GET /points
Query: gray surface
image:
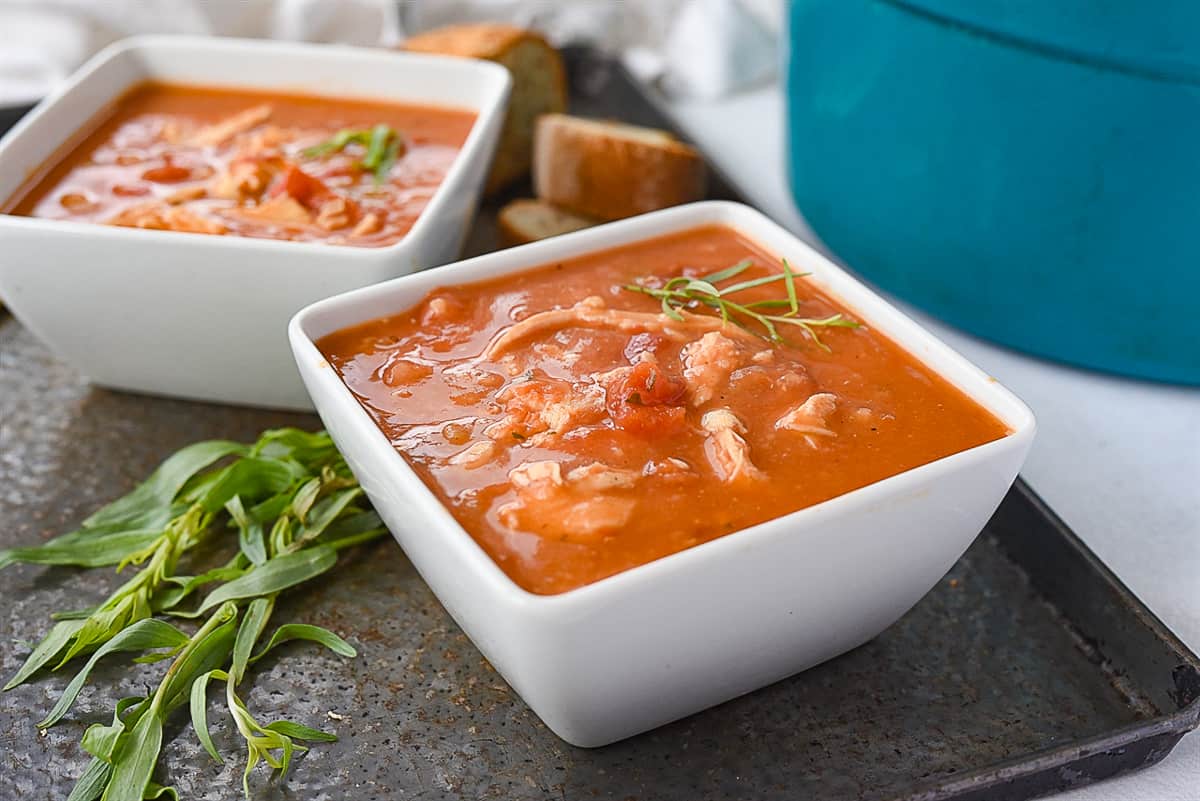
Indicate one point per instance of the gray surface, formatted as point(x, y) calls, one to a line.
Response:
point(981, 671)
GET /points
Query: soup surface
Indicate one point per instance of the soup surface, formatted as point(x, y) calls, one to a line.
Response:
point(576, 430)
point(256, 164)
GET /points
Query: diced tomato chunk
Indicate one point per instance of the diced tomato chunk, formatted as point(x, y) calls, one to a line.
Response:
point(647, 401)
point(307, 190)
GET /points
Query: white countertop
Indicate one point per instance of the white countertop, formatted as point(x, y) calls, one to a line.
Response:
point(1118, 459)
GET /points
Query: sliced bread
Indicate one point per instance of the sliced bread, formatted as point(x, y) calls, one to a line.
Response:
point(610, 170)
point(527, 220)
point(539, 84)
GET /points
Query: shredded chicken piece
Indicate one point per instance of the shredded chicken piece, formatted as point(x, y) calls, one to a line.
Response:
point(671, 467)
point(267, 140)
point(553, 351)
point(532, 474)
point(597, 477)
point(369, 224)
point(766, 356)
point(537, 405)
point(789, 382)
point(593, 518)
point(335, 213)
point(610, 377)
point(707, 363)
point(591, 312)
point(186, 194)
point(279, 209)
point(226, 129)
point(583, 521)
point(173, 131)
point(727, 451)
point(512, 365)
point(159, 217)
point(574, 509)
point(812, 416)
point(476, 455)
point(242, 181)
point(584, 406)
point(439, 310)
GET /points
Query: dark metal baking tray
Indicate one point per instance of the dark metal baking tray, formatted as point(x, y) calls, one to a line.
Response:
point(1029, 669)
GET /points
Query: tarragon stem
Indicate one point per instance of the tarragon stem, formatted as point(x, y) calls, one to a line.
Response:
point(383, 146)
point(687, 293)
point(292, 484)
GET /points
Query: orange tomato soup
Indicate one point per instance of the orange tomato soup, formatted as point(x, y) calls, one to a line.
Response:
point(267, 165)
point(575, 430)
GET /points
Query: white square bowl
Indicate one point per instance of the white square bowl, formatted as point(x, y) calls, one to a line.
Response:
point(200, 316)
point(685, 632)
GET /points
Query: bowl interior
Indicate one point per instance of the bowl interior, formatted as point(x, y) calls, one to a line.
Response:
point(324, 70)
point(394, 296)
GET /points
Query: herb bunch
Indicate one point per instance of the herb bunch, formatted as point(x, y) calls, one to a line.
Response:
point(683, 293)
point(291, 503)
point(383, 146)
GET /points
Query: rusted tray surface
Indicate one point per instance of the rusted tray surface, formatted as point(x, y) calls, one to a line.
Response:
point(1028, 669)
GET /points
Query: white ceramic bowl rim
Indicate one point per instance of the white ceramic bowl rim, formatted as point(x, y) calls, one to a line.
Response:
point(989, 393)
point(225, 45)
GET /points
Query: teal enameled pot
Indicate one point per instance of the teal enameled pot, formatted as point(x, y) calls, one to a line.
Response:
point(1028, 170)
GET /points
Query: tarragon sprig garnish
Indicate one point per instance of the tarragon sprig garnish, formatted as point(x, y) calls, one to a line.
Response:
point(383, 146)
point(683, 293)
point(291, 504)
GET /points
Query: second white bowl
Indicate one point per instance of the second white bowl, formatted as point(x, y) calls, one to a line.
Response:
point(199, 316)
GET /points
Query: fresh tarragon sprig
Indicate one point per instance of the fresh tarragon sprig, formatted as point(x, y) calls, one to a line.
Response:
point(686, 293)
point(383, 146)
point(291, 503)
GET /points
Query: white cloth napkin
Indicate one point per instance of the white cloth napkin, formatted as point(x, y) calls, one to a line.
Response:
point(703, 48)
point(43, 41)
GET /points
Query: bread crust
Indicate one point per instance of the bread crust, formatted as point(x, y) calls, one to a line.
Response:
point(539, 85)
point(482, 40)
point(518, 220)
point(613, 171)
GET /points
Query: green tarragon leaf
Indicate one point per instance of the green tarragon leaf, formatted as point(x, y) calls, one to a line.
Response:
point(101, 741)
point(141, 636)
point(163, 485)
point(305, 497)
point(304, 631)
point(252, 627)
point(104, 549)
point(91, 782)
point(308, 448)
point(298, 732)
point(276, 575)
point(55, 640)
point(210, 648)
point(252, 479)
point(199, 709)
point(157, 791)
point(134, 760)
point(167, 599)
point(251, 541)
point(324, 513)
